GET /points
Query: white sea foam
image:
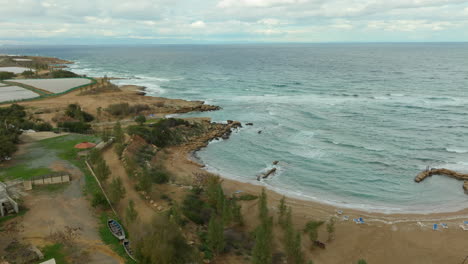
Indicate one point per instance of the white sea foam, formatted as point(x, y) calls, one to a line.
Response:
point(455, 150)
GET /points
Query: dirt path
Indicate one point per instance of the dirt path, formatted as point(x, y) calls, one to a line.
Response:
point(145, 211)
point(51, 212)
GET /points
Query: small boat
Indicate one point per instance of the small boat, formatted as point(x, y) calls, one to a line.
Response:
point(116, 229)
point(126, 245)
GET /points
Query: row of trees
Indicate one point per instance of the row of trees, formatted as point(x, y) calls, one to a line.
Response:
point(115, 190)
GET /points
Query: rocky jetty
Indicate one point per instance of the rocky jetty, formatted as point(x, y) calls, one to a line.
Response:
point(446, 172)
point(267, 174)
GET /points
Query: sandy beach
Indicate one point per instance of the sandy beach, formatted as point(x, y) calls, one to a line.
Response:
point(384, 238)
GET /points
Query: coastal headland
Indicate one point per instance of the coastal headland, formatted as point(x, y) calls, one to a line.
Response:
point(382, 238)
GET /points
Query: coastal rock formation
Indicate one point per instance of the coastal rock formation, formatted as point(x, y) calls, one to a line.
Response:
point(267, 174)
point(450, 173)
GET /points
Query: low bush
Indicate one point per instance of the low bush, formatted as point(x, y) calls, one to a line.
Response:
point(75, 127)
point(195, 209)
point(125, 109)
point(63, 74)
point(74, 111)
point(6, 75)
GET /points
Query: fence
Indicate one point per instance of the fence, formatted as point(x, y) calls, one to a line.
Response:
point(50, 179)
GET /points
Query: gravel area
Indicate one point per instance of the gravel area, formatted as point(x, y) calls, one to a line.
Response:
point(55, 85)
point(10, 93)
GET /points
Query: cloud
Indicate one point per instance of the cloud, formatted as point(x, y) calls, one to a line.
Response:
point(257, 3)
point(228, 20)
point(198, 24)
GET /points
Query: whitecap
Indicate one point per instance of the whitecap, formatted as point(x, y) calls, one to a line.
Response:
point(455, 150)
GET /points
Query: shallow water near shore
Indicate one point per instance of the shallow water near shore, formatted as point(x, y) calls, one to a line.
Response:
point(351, 124)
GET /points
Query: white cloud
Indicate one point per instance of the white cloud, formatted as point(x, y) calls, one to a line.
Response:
point(282, 20)
point(411, 25)
point(257, 3)
point(271, 22)
point(198, 24)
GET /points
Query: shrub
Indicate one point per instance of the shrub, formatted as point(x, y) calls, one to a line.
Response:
point(116, 190)
point(75, 111)
point(98, 199)
point(75, 127)
point(28, 73)
point(6, 75)
point(119, 148)
point(159, 175)
point(141, 119)
point(43, 126)
point(196, 209)
point(124, 109)
point(247, 197)
point(63, 74)
point(131, 213)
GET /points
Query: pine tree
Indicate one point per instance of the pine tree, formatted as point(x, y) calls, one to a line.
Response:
point(262, 250)
point(311, 228)
point(331, 229)
point(116, 190)
point(102, 170)
point(131, 213)
point(263, 207)
point(118, 133)
point(282, 210)
point(236, 213)
point(215, 236)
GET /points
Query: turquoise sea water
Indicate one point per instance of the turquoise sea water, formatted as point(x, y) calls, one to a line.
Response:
point(351, 124)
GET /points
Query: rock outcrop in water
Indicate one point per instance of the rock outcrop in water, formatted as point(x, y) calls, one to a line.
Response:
point(450, 173)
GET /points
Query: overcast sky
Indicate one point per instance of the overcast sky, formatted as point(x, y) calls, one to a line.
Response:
point(231, 21)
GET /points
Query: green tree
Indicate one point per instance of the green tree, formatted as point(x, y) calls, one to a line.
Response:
point(262, 250)
point(361, 261)
point(94, 156)
point(141, 119)
point(119, 148)
point(215, 236)
point(144, 181)
point(312, 228)
point(102, 170)
point(6, 75)
point(118, 133)
point(131, 213)
point(162, 243)
point(28, 74)
point(237, 213)
point(331, 228)
point(282, 210)
point(99, 199)
point(262, 206)
point(116, 190)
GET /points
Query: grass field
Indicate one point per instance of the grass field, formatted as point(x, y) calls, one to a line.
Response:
point(54, 251)
point(23, 172)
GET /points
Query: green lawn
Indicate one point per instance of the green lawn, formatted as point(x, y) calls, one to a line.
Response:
point(65, 145)
point(23, 172)
point(54, 251)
